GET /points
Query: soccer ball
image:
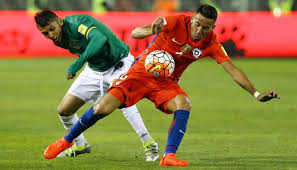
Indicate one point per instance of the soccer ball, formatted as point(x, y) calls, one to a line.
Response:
point(159, 64)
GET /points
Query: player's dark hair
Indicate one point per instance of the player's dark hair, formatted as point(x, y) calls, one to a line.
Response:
point(208, 11)
point(44, 17)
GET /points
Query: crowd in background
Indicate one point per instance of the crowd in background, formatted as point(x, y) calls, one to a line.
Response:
point(149, 5)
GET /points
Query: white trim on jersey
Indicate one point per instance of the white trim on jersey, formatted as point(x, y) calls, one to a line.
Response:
point(164, 21)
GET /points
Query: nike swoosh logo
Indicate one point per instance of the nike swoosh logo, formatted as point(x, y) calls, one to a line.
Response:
point(173, 39)
point(179, 53)
point(157, 66)
point(181, 132)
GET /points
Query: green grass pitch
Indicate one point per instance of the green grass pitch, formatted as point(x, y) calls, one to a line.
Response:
point(227, 129)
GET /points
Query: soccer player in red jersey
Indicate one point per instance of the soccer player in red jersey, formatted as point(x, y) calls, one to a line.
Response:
point(187, 39)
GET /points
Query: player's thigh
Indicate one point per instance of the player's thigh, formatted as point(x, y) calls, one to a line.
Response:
point(179, 102)
point(69, 105)
point(107, 105)
point(130, 88)
point(170, 98)
point(89, 86)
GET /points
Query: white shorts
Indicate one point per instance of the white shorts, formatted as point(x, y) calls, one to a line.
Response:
point(90, 86)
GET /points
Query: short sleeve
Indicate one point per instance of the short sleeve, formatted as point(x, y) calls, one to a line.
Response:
point(82, 24)
point(169, 22)
point(218, 53)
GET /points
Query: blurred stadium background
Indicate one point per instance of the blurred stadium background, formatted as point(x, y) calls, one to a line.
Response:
point(228, 128)
point(247, 28)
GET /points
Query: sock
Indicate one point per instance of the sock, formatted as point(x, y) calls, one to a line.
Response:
point(133, 116)
point(87, 120)
point(68, 122)
point(177, 130)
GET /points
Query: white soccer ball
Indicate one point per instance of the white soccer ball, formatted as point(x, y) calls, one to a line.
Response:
point(159, 63)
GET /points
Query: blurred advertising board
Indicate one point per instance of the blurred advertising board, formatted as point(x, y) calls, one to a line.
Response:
point(247, 34)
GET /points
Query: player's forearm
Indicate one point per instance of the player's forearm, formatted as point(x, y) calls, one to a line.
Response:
point(241, 79)
point(94, 46)
point(238, 76)
point(142, 32)
point(76, 66)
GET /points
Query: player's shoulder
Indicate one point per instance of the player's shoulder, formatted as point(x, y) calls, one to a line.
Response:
point(179, 17)
point(211, 37)
point(76, 19)
point(78, 23)
point(214, 38)
point(211, 41)
point(176, 21)
point(183, 17)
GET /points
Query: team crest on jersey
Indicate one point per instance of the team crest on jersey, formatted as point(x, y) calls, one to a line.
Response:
point(186, 48)
point(196, 52)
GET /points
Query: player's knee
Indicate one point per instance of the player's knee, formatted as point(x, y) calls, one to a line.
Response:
point(62, 111)
point(97, 110)
point(101, 109)
point(185, 106)
point(107, 105)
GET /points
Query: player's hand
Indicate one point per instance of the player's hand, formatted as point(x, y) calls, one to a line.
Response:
point(69, 76)
point(268, 96)
point(157, 25)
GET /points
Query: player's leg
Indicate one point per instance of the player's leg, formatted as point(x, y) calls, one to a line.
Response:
point(151, 148)
point(133, 116)
point(106, 106)
point(67, 113)
point(181, 107)
point(82, 90)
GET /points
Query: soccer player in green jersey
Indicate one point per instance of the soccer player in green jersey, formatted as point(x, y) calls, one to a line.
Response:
point(107, 57)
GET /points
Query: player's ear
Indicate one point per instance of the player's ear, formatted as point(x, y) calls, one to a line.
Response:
point(213, 26)
point(192, 18)
point(60, 21)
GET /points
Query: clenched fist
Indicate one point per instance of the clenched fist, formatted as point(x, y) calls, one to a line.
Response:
point(69, 76)
point(157, 25)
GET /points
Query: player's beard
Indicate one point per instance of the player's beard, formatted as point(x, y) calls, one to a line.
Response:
point(197, 38)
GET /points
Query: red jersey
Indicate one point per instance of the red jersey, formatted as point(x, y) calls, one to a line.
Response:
point(175, 38)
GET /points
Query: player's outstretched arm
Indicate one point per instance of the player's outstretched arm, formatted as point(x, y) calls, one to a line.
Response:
point(148, 30)
point(240, 78)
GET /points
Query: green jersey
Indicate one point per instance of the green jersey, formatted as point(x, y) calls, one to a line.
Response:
point(93, 42)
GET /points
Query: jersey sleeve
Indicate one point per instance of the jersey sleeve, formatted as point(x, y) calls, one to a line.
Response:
point(169, 23)
point(218, 53)
point(96, 40)
point(84, 25)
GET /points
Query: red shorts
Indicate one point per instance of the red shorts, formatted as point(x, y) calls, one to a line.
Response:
point(132, 87)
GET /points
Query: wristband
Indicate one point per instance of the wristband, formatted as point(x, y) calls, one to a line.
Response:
point(256, 94)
